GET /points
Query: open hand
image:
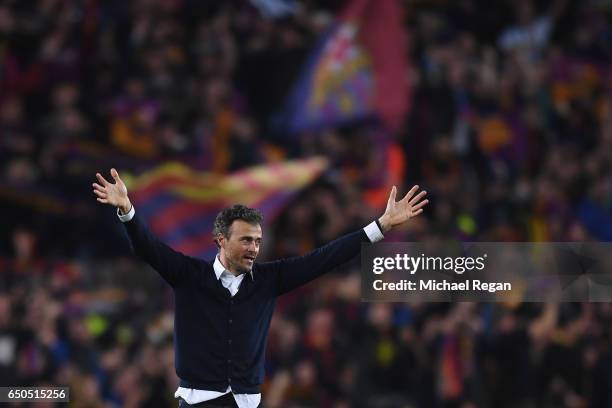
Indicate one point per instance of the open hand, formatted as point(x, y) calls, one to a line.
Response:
point(114, 194)
point(398, 212)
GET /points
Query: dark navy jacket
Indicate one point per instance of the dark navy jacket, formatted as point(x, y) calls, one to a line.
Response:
point(220, 340)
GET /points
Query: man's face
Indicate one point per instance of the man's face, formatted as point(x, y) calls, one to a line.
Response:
point(239, 250)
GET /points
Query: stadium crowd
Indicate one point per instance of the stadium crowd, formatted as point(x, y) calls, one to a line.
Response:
point(510, 132)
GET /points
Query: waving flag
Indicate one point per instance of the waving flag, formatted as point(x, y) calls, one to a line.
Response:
point(358, 70)
point(180, 204)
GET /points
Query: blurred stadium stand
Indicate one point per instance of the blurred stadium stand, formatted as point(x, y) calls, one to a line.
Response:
point(510, 131)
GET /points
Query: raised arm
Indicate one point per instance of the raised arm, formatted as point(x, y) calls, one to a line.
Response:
point(171, 265)
point(294, 272)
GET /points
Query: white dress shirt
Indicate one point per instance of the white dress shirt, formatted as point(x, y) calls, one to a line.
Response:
point(194, 396)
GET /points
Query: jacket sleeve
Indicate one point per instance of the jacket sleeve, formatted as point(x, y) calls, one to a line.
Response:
point(292, 273)
point(172, 265)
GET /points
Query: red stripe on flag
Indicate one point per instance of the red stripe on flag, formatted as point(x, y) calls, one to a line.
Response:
point(181, 212)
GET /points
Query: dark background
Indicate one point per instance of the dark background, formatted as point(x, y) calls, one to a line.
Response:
point(512, 141)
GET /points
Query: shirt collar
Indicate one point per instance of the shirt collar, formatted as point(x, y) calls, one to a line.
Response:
point(219, 269)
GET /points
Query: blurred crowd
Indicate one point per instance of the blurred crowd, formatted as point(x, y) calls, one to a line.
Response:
point(510, 132)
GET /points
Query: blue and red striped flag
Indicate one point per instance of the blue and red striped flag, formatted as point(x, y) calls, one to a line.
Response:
point(180, 204)
point(358, 70)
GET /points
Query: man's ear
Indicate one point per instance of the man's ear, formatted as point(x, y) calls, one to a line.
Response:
point(219, 240)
